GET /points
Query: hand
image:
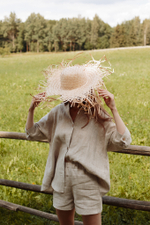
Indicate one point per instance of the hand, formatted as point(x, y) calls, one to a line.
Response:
point(108, 98)
point(36, 100)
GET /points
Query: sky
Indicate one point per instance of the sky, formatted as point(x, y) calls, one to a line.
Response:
point(112, 12)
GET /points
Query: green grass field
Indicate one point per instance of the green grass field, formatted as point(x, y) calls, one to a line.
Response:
point(25, 161)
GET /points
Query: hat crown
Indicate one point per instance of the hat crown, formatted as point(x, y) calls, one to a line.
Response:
point(73, 77)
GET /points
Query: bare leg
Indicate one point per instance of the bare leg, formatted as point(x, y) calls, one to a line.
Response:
point(65, 217)
point(92, 219)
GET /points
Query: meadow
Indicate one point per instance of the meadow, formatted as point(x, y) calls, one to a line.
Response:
point(20, 75)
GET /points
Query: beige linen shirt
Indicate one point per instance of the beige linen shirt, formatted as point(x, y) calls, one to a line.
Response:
point(87, 146)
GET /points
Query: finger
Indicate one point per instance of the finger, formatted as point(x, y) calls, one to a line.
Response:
point(104, 95)
point(34, 101)
point(36, 104)
point(104, 92)
point(106, 98)
point(41, 94)
point(37, 99)
point(100, 89)
point(108, 94)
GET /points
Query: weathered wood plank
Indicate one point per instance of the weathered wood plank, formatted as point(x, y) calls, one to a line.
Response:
point(21, 185)
point(132, 149)
point(108, 200)
point(15, 135)
point(136, 150)
point(127, 203)
point(15, 207)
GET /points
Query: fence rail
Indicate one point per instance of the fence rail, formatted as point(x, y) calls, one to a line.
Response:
point(120, 202)
point(108, 200)
point(132, 149)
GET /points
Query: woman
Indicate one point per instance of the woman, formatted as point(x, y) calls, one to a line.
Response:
point(80, 133)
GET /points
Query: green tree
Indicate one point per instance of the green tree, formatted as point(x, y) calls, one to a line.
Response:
point(131, 33)
point(29, 31)
point(1, 34)
point(81, 31)
point(72, 33)
point(138, 30)
point(69, 33)
point(49, 34)
point(148, 36)
point(95, 31)
point(88, 44)
point(35, 32)
point(145, 28)
point(10, 29)
point(104, 35)
point(63, 33)
point(122, 36)
point(39, 31)
point(56, 35)
point(114, 41)
point(20, 38)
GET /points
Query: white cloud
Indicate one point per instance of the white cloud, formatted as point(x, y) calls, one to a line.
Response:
point(110, 11)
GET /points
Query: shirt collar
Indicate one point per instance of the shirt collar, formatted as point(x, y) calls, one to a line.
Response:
point(66, 108)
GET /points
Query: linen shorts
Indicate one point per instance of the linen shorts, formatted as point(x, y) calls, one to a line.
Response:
point(81, 191)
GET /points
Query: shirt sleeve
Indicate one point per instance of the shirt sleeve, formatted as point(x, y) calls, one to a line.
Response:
point(116, 140)
point(42, 130)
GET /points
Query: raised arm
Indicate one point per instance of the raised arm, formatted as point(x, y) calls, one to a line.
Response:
point(109, 100)
point(35, 102)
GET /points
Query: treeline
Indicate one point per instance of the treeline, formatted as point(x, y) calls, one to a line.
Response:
point(37, 34)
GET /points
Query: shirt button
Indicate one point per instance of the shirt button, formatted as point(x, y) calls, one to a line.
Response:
point(124, 139)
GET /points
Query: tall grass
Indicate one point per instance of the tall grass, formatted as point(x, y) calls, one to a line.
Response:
point(25, 161)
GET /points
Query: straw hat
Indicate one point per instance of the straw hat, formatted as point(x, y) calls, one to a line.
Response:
point(75, 83)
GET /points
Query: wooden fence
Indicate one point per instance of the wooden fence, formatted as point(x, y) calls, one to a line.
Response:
point(120, 202)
